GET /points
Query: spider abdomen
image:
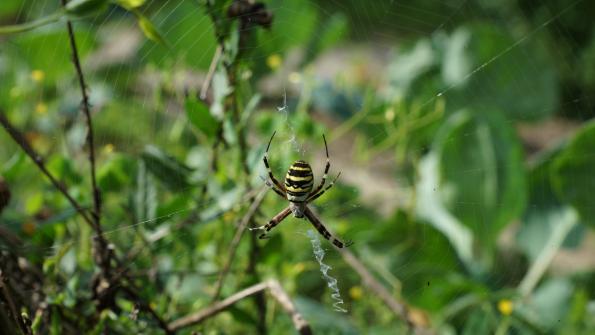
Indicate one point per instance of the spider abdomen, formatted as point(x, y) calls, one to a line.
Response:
point(299, 181)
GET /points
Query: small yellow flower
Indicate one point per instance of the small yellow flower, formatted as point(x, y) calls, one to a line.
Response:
point(274, 61)
point(505, 306)
point(108, 148)
point(299, 267)
point(389, 115)
point(295, 77)
point(37, 75)
point(356, 292)
point(41, 108)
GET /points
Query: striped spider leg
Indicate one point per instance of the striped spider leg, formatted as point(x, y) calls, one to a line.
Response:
point(279, 187)
point(315, 221)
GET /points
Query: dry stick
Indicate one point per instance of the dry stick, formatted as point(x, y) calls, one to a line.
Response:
point(399, 308)
point(20, 139)
point(276, 291)
point(236, 241)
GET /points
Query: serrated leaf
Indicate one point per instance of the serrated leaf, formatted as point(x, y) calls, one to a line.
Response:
point(199, 115)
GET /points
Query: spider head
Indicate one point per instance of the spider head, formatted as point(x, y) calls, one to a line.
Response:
point(297, 209)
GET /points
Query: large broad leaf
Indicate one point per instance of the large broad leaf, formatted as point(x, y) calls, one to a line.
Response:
point(189, 31)
point(484, 66)
point(199, 115)
point(573, 173)
point(49, 51)
point(472, 183)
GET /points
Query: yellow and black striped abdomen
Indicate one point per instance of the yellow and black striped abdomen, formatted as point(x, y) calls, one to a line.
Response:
point(299, 181)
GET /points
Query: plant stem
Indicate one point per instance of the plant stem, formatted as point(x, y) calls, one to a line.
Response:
point(19, 28)
point(558, 235)
point(90, 137)
point(236, 240)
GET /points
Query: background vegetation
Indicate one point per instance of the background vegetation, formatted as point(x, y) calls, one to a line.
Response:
point(131, 166)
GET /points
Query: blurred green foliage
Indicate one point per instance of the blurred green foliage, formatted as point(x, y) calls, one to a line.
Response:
point(473, 211)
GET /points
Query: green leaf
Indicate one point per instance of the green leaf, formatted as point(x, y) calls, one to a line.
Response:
point(49, 51)
point(546, 210)
point(199, 115)
point(81, 8)
point(573, 173)
point(550, 303)
point(166, 168)
point(485, 66)
point(149, 29)
point(472, 183)
point(192, 34)
point(114, 175)
point(333, 31)
point(63, 169)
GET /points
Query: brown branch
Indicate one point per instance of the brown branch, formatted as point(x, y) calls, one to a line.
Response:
point(236, 240)
point(399, 308)
point(20, 139)
point(90, 137)
point(283, 299)
point(274, 288)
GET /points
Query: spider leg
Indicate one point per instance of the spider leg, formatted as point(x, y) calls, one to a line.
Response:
point(266, 164)
point(323, 231)
point(327, 167)
point(315, 196)
point(269, 184)
point(274, 222)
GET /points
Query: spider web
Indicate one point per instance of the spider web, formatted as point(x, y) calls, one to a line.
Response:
point(102, 92)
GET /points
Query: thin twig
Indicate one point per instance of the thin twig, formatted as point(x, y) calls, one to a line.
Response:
point(236, 240)
point(90, 137)
point(276, 291)
point(20, 139)
point(205, 85)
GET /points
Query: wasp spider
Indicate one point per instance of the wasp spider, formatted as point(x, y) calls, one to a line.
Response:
point(298, 189)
